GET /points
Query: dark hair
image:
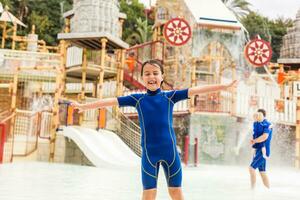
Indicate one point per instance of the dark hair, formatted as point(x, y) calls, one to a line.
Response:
point(262, 111)
point(154, 62)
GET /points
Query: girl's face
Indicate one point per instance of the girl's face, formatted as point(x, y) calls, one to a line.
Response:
point(260, 117)
point(152, 77)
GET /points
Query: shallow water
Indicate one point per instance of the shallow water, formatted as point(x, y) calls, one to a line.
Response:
point(44, 181)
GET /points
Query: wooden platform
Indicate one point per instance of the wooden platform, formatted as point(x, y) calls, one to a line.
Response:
point(92, 40)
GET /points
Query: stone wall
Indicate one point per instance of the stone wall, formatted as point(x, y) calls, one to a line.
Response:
point(291, 41)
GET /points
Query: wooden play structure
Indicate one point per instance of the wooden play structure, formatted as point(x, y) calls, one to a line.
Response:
point(9, 25)
point(88, 65)
point(197, 47)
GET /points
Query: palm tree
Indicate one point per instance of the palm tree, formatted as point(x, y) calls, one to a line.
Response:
point(143, 33)
point(240, 8)
point(23, 9)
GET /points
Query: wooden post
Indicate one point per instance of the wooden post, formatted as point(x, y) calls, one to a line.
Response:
point(118, 90)
point(193, 84)
point(83, 80)
point(121, 21)
point(122, 71)
point(158, 33)
point(118, 60)
point(154, 35)
point(83, 77)
point(4, 33)
point(120, 78)
point(14, 101)
point(33, 29)
point(65, 45)
point(58, 90)
point(210, 61)
point(297, 145)
point(14, 37)
point(219, 58)
point(102, 65)
point(233, 91)
point(64, 65)
point(67, 25)
point(15, 88)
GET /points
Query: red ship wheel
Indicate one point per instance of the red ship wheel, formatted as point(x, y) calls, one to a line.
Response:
point(177, 31)
point(258, 52)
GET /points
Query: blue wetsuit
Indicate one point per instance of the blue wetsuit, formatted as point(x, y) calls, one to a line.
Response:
point(158, 141)
point(259, 128)
point(268, 141)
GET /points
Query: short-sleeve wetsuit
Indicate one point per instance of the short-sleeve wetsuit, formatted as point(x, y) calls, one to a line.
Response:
point(259, 128)
point(158, 141)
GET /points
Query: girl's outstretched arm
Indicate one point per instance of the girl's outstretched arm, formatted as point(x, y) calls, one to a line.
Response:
point(96, 104)
point(210, 88)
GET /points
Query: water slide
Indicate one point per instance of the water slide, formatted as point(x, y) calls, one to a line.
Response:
point(103, 148)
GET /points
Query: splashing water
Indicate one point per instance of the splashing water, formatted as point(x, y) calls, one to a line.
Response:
point(243, 136)
point(42, 103)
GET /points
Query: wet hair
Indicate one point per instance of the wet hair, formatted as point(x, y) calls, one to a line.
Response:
point(154, 62)
point(262, 111)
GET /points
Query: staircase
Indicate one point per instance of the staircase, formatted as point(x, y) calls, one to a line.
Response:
point(127, 130)
point(142, 53)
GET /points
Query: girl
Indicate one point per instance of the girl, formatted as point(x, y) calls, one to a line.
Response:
point(155, 109)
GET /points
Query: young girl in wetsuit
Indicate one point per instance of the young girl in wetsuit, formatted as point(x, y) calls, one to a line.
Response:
point(158, 141)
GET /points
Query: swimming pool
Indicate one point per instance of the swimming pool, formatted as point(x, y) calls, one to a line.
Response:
point(46, 181)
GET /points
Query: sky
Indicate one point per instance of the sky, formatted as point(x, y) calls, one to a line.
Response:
point(269, 8)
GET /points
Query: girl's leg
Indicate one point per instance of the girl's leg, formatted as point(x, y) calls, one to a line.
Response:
point(176, 193)
point(149, 194)
point(265, 179)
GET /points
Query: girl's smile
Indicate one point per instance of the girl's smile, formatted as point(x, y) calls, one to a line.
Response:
point(152, 77)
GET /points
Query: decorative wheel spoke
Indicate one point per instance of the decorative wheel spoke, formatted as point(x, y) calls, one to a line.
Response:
point(177, 31)
point(258, 52)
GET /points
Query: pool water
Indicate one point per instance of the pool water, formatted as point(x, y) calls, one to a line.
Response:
point(46, 181)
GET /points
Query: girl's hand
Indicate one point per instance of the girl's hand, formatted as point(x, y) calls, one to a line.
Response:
point(232, 85)
point(78, 106)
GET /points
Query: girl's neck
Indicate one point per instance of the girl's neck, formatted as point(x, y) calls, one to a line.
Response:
point(150, 92)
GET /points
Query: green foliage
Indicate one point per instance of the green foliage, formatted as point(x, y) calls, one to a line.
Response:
point(6, 2)
point(256, 25)
point(45, 15)
point(278, 28)
point(137, 28)
point(143, 33)
point(240, 8)
point(269, 30)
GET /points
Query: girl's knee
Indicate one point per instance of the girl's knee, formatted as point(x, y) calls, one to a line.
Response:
point(149, 194)
point(175, 192)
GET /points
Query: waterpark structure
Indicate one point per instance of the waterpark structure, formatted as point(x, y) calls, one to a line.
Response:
point(198, 45)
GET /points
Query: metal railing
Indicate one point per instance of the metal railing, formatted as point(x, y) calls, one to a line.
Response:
point(129, 132)
point(139, 54)
point(125, 128)
point(26, 127)
point(220, 102)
